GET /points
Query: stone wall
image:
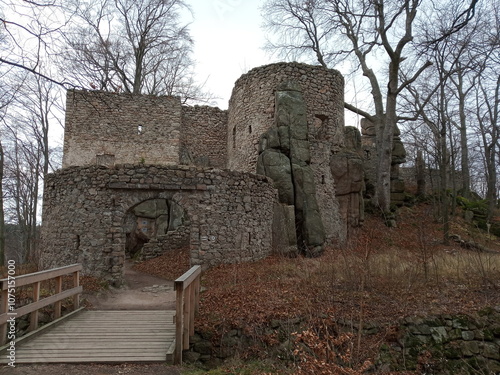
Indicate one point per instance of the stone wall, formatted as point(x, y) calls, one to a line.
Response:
point(93, 213)
point(369, 152)
point(446, 344)
point(432, 179)
point(107, 128)
point(440, 345)
point(252, 112)
point(204, 136)
point(86, 210)
point(175, 240)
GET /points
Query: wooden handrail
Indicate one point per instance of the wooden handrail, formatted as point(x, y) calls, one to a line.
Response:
point(36, 278)
point(187, 289)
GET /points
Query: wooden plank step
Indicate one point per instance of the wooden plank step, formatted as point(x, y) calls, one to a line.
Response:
point(104, 337)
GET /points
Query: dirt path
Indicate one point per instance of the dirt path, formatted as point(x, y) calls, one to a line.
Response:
point(140, 292)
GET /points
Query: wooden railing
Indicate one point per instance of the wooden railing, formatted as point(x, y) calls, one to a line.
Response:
point(187, 289)
point(35, 279)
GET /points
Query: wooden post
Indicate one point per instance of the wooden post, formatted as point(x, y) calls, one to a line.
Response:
point(192, 307)
point(58, 304)
point(187, 294)
point(179, 315)
point(186, 320)
point(197, 293)
point(34, 314)
point(76, 283)
point(3, 309)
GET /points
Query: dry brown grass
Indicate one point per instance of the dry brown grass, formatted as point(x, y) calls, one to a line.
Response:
point(382, 277)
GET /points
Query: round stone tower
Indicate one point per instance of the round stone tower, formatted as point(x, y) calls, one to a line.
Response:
point(253, 111)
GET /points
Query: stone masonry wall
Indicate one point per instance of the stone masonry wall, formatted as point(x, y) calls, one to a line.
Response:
point(446, 344)
point(252, 109)
point(252, 113)
point(107, 128)
point(204, 136)
point(230, 214)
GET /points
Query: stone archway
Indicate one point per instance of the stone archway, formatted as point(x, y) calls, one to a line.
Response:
point(155, 226)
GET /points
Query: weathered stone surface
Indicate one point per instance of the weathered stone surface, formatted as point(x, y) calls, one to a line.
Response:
point(86, 220)
point(347, 169)
point(276, 165)
point(284, 234)
point(449, 342)
point(311, 233)
point(176, 216)
point(292, 176)
point(398, 152)
point(152, 208)
point(162, 224)
point(253, 107)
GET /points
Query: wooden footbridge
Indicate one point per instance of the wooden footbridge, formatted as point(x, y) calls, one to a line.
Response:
point(91, 336)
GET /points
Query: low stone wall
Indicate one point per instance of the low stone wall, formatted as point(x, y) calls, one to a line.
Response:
point(175, 240)
point(86, 208)
point(446, 344)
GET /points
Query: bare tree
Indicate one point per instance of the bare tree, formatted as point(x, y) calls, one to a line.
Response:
point(29, 32)
point(2, 214)
point(22, 170)
point(460, 93)
point(373, 33)
point(135, 46)
point(27, 153)
point(487, 111)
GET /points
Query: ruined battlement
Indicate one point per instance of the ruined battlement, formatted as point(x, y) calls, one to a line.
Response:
point(106, 128)
point(252, 110)
point(143, 175)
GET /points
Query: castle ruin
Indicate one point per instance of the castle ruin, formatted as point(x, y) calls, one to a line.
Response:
point(144, 175)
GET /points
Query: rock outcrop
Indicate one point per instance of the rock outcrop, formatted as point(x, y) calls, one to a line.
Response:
point(348, 171)
point(285, 158)
point(368, 140)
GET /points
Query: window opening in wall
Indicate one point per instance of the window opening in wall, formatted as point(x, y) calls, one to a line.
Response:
point(234, 137)
point(323, 179)
point(140, 129)
point(249, 129)
point(77, 241)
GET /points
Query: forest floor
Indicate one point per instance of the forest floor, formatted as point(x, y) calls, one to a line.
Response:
point(383, 276)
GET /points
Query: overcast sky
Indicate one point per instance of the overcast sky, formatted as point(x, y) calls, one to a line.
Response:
point(227, 42)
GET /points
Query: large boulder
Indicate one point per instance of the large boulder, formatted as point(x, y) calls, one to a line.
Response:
point(285, 158)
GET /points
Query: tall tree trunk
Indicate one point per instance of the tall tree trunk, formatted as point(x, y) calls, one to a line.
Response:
point(420, 168)
point(463, 140)
point(444, 167)
point(385, 137)
point(383, 167)
point(491, 193)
